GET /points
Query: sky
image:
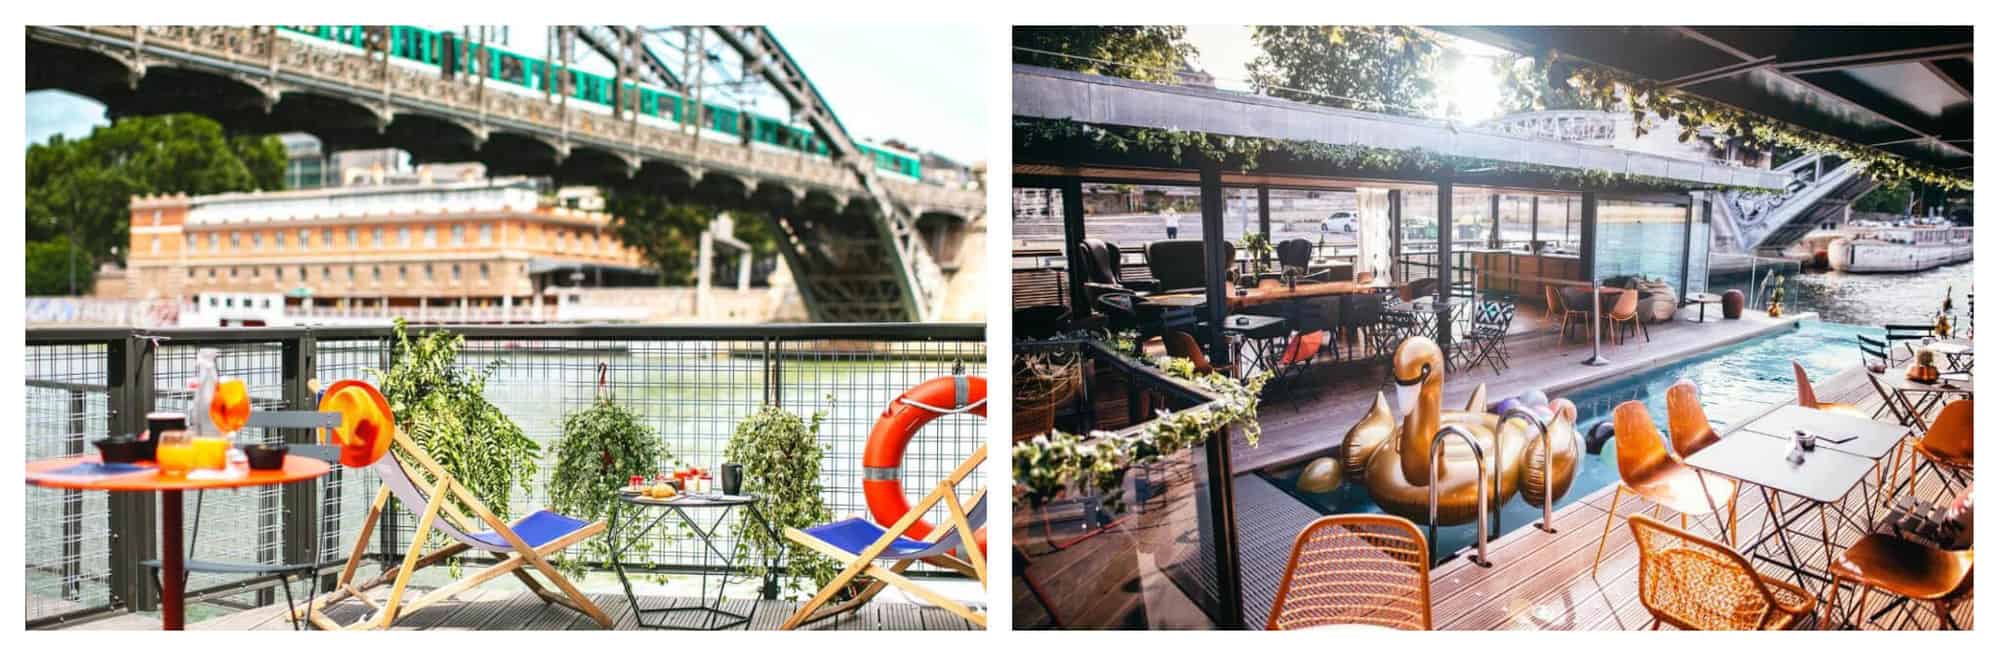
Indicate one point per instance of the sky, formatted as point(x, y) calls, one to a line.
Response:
point(915, 84)
point(1470, 87)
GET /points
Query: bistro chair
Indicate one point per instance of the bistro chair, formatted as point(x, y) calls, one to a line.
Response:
point(1809, 398)
point(1485, 342)
point(1554, 303)
point(1897, 407)
point(857, 544)
point(525, 543)
point(1696, 584)
point(1686, 421)
point(1906, 336)
point(1355, 569)
point(1291, 367)
point(1419, 288)
point(1570, 316)
point(1645, 469)
point(285, 573)
point(1103, 270)
point(1938, 574)
point(1297, 253)
point(1180, 265)
point(1873, 354)
point(1624, 317)
point(1360, 315)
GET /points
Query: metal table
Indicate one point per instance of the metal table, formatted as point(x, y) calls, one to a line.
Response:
point(1703, 299)
point(1256, 331)
point(678, 507)
point(1828, 474)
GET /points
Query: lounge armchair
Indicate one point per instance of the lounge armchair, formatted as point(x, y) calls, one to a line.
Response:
point(1179, 264)
point(443, 501)
point(1103, 270)
point(857, 543)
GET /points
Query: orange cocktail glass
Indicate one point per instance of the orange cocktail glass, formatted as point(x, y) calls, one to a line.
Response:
point(211, 452)
point(230, 409)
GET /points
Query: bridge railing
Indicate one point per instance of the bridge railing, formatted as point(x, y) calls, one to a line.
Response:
point(691, 383)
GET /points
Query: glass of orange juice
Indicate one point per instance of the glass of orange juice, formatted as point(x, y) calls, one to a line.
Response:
point(211, 452)
point(174, 453)
point(230, 409)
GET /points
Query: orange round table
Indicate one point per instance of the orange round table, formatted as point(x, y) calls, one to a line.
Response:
point(173, 583)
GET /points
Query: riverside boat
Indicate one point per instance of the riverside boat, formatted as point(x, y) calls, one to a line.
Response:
point(1899, 249)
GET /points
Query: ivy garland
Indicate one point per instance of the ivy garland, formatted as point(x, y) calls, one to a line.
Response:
point(1354, 159)
point(1612, 90)
point(1047, 465)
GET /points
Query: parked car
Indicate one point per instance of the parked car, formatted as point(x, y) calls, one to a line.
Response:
point(1341, 221)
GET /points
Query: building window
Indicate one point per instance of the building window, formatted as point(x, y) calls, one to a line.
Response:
point(402, 273)
point(485, 272)
point(278, 274)
point(214, 242)
point(232, 273)
point(485, 234)
point(326, 273)
point(403, 237)
point(304, 274)
point(188, 243)
point(454, 272)
point(211, 273)
point(350, 273)
point(304, 238)
point(376, 237)
point(155, 245)
point(156, 217)
point(256, 240)
point(326, 237)
point(458, 234)
point(279, 240)
point(430, 236)
point(190, 272)
point(428, 272)
point(352, 237)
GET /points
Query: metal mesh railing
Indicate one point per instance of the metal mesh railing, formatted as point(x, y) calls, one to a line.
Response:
point(692, 384)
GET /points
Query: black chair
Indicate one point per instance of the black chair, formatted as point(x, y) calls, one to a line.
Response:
point(285, 573)
point(1360, 315)
point(1485, 341)
point(1873, 354)
point(1390, 328)
point(1297, 254)
point(1104, 270)
point(1180, 264)
point(1905, 336)
point(1419, 288)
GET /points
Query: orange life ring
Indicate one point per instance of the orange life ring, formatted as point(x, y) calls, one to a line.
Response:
point(881, 463)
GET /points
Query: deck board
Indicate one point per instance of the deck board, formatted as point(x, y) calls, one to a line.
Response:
point(1540, 581)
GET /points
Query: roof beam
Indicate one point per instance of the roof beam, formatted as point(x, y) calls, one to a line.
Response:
point(1909, 55)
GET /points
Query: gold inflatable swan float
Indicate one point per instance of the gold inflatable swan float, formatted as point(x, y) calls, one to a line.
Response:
point(1391, 459)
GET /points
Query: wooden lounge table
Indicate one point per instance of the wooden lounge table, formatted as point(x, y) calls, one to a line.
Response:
point(1265, 295)
point(77, 473)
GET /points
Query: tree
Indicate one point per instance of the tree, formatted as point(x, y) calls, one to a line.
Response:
point(1150, 53)
point(1891, 198)
point(55, 268)
point(81, 189)
point(1531, 84)
point(1388, 69)
point(667, 233)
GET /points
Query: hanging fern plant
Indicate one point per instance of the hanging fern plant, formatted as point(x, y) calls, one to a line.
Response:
point(601, 448)
point(780, 455)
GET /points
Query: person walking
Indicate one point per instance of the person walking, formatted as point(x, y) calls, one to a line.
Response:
point(1172, 226)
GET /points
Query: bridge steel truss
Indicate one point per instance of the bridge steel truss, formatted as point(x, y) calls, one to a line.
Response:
point(848, 236)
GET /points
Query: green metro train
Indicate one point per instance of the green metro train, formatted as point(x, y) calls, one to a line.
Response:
point(419, 45)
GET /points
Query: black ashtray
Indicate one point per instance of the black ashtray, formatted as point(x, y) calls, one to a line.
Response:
point(118, 449)
point(266, 456)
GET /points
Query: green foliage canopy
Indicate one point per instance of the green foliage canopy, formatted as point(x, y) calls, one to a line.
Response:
point(1150, 53)
point(1385, 68)
point(667, 232)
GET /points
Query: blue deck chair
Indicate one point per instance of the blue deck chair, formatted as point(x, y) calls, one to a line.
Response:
point(860, 545)
point(443, 503)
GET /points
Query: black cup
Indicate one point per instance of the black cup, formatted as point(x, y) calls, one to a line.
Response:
point(732, 479)
point(118, 449)
point(266, 456)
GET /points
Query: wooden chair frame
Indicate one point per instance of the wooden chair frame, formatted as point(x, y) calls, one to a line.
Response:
point(854, 565)
point(441, 489)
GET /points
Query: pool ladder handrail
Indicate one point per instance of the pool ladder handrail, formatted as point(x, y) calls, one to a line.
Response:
point(1484, 502)
point(1547, 464)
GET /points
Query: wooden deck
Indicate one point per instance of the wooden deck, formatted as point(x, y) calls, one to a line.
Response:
point(1542, 581)
point(1343, 392)
point(513, 610)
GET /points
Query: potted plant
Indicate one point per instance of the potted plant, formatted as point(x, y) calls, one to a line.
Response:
point(443, 408)
point(780, 454)
point(1924, 368)
point(1257, 245)
point(1777, 297)
point(600, 449)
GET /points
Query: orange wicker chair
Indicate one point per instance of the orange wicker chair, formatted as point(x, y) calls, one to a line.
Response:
point(1355, 569)
point(1696, 584)
point(1809, 398)
point(1940, 575)
point(1647, 470)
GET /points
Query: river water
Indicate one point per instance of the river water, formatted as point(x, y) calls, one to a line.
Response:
point(1873, 299)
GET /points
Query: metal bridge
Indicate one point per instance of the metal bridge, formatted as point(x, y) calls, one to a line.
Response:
point(854, 230)
point(1753, 222)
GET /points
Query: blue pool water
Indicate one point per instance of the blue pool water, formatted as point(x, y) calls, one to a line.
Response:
point(1752, 374)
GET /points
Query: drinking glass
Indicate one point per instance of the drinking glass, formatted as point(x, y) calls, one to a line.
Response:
point(174, 453)
point(230, 409)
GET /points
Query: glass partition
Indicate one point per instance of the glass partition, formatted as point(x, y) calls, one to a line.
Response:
point(1701, 232)
point(1516, 222)
point(1558, 225)
point(1641, 239)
